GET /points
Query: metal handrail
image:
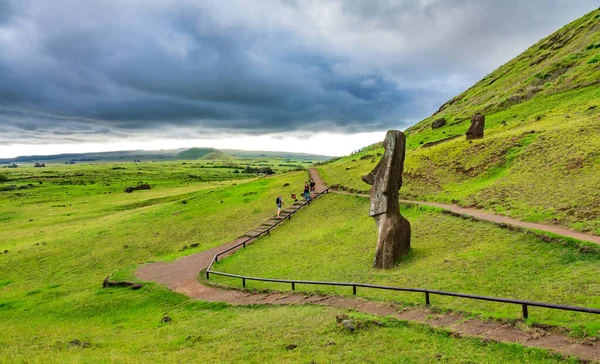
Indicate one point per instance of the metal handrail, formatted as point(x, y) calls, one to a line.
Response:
point(266, 231)
point(524, 303)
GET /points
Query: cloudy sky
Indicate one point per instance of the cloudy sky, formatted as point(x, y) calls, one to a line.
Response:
point(315, 76)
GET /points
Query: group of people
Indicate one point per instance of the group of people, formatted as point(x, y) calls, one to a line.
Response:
point(308, 194)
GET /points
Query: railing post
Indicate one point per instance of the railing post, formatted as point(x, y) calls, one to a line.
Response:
point(427, 298)
point(525, 312)
point(244, 282)
point(268, 231)
point(293, 286)
point(207, 276)
point(290, 216)
point(354, 289)
point(216, 258)
point(244, 244)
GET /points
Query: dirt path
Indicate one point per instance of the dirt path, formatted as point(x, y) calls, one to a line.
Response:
point(182, 276)
point(482, 215)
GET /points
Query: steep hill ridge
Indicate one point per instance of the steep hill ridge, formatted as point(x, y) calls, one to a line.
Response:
point(540, 157)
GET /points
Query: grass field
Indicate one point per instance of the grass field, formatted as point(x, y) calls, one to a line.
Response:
point(51, 295)
point(448, 253)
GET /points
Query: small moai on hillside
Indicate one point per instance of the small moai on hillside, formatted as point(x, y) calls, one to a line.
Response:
point(476, 129)
point(438, 123)
point(385, 180)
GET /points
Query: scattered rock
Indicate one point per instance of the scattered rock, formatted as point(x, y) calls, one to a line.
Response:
point(108, 283)
point(341, 317)
point(365, 157)
point(144, 186)
point(286, 184)
point(477, 126)
point(503, 123)
point(348, 325)
point(331, 343)
point(291, 347)
point(592, 107)
point(6, 251)
point(438, 123)
point(166, 320)
point(195, 245)
point(136, 286)
point(79, 343)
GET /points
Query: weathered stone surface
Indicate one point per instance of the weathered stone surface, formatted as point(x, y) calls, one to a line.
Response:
point(349, 325)
point(476, 129)
point(386, 180)
point(438, 123)
point(140, 187)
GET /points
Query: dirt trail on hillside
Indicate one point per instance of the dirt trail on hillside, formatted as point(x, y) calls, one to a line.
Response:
point(487, 216)
point(182, 276)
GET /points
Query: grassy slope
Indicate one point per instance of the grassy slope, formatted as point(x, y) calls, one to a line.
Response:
point(203, 332)
point(50, 293)
point(195, 153)
point(547, 175)
point(449, 253)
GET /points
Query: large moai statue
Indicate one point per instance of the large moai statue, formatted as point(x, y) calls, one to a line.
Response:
point(476, 129)
point(386, 180)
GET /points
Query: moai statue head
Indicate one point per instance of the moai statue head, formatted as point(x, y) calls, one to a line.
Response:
point(386, 177)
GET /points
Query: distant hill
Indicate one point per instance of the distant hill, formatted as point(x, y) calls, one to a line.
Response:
point(166, 154)
point(283, 155)
point(217, 155)
point(539, 159)
point(195, 153)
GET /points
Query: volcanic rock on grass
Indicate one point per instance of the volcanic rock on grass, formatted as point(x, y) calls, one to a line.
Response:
point(341, 317)
point(144, 186)
point(438, 123)
point(348, 325)
point(476, 129)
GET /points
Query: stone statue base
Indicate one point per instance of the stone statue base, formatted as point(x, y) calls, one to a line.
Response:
point(394, 239)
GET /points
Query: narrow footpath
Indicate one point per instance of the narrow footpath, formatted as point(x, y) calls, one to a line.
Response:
point(182, 276)
point(487, 216)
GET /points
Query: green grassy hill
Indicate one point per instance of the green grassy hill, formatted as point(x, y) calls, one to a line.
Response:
point(540, 155)
point(217, 155)
point(195, 153)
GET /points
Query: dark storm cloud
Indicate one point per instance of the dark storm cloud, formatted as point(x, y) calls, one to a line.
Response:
point(114, 68)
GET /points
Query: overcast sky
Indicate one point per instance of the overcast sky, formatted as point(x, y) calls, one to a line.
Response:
point(315, 76)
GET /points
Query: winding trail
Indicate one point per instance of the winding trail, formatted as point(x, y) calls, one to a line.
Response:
point(182, 276)
point(487, 216)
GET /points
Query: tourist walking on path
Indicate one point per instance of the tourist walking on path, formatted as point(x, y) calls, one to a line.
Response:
point(279, 203)
point(312, 188)
point(306, 191)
